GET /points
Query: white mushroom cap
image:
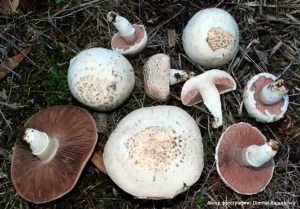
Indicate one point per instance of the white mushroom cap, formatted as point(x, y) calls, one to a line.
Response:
point(211, 37)
point(100, 78)
point(156, 77)
point(155, 152)
point(263, 113)
point(208, 87)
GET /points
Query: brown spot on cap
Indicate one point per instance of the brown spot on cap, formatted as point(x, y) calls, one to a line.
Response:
point(218, 38)
point(244, 180)
point(75, 131)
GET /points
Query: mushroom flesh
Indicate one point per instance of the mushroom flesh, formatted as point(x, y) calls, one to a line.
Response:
point(207, 87)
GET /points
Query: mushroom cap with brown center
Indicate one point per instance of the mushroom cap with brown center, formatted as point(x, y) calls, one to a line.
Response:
point(211, 37)
point(76, 134)
point(155, 152)
point(242, 179)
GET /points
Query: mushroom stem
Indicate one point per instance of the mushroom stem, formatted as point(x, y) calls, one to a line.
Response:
point(40, 144)
point(211, 99)
point(124, 27)
point(274, 92)
point(179, 76)
point(255, 155)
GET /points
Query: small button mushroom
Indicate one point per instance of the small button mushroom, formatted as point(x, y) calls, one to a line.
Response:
point(211, 38)
point(100, 78)
point(265, 98)
point(49, 156)
point(244, 159)
point(158, 77)
point(207, 87)
point(130, 39)
point(151, 157)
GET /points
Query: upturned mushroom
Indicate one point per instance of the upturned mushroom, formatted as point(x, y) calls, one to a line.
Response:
point(49, 156)
point(130, 39)
point(158, 77)
point(150, 157)
point(244, 159)
point(207, 87)
point(211, 38)
point(265, 98)
point(100, 78)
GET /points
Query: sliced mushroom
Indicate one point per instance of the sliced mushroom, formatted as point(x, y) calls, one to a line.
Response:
point(244, 159)
point(158, 77)
point(211, 37)
point(100, 78)
point(207, 87)
point(130, 39)
point(151, 157)
point(265, 98)
point(49, 157)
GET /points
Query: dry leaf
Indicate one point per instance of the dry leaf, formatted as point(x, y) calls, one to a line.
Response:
point(13, 62)
point(3, 94)
point(293, 132)
point(8, 6)
point(172, 37)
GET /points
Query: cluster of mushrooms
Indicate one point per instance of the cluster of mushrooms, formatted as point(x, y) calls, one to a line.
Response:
point(154, 152)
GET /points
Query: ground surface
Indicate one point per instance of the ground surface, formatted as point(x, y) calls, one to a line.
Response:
point(58, 29)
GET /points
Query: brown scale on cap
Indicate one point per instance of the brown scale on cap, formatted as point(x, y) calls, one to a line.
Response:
point(75, 131)
point(218, 38)
point(156, 148)
point(95, 89)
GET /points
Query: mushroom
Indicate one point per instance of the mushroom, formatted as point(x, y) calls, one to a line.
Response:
point(100, 78)
point(207, 87)
point(150, 157)
point(158, 77)
point(211, 38)
point(51, 153)
point(265, 98)
point(130, 39)
point(244, 159)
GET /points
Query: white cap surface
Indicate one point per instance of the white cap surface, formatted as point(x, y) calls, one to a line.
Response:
point(155, 152)
point(211, 37)
point(100, 78)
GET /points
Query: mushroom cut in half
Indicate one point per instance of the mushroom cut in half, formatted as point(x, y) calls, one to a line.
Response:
point(130, 39)
point(211, 38)
point(265, 98)
point(100, 78)
point(207, 87)
point(155, 152)
point(49, 156)
point(244, 159)
point(158, 77)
